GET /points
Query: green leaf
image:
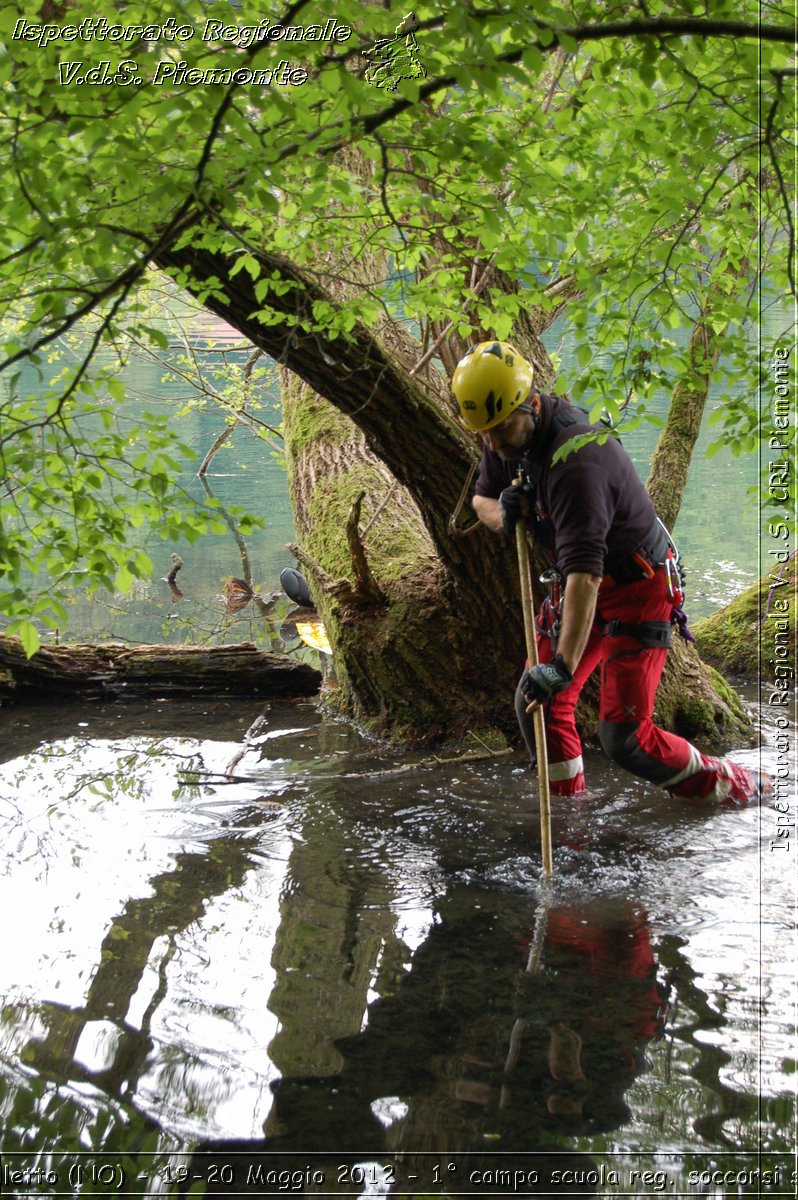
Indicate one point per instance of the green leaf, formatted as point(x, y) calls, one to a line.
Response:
point(502, 325)
point(27, 633)
point(603, 184)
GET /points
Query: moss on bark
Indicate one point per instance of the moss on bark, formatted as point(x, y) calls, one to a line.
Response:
point(696, 702)
point(404, 670)
point(757, 630)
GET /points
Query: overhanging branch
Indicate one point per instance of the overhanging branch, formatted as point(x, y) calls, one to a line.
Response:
point(553, 38)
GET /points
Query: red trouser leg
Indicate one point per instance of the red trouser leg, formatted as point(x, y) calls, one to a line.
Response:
point(564, 746)
point(630, 675)
point(632, 740)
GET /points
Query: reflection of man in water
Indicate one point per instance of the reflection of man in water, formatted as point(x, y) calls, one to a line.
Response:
point(437, 1047)
point(565, 1064)
point(594, 1004)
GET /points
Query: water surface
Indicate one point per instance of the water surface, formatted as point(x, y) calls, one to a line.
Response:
point(300, 953)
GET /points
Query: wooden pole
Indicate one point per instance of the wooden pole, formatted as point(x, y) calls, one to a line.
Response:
point(537, 716)
point(536, 949)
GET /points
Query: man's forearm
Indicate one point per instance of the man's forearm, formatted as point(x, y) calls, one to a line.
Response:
point(579, 604)
point(487, 509)
point(578, 613)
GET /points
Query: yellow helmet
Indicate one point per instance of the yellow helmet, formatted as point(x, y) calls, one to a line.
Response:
point(489, 383)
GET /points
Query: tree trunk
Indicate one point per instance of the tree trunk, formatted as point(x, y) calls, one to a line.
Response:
point(114, 671)
point(689, 691)
point(403, 666)
point(435, 651)
point(670, 463)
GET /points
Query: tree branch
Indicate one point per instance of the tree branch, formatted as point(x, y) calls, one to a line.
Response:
point(557, 36)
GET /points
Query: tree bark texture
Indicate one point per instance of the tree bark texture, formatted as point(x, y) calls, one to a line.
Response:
point(402, 664)
point(114, 671)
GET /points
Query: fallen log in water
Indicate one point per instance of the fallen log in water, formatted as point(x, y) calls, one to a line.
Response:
point(114, 670)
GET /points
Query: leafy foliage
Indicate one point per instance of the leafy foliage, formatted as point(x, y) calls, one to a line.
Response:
point(622, 162)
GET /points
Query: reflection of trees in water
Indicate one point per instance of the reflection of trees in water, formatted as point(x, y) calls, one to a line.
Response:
point(381, 1056)
point(588, 1011)
point(434, 1047)
point(179, 897)
point(232, 524)
point(709, 1107)
point(56, 775)
point(320, 931)
point(238, 592)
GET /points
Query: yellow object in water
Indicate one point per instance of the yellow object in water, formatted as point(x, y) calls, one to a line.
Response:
point(314, 634)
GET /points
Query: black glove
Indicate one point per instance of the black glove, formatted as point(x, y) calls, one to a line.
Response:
point(510, 502)
point(546, 680)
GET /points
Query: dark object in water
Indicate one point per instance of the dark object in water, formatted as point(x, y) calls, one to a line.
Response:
point(295, 587)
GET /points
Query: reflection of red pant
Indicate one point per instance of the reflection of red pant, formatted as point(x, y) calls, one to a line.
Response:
point(630, 675)
point(617, 950)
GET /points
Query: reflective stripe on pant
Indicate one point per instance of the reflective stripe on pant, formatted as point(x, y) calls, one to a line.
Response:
point(630, 675)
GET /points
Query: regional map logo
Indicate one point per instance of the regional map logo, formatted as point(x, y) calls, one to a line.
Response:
point(396, 57)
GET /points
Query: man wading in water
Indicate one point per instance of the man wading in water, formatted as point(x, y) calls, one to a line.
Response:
point(615, 566)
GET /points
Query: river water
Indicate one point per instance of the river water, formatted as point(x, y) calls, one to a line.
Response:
point(227, 957)
point(246, 951)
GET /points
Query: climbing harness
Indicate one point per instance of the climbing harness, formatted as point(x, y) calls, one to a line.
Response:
point(643, 562)
point(676, 589)
point(651, 634)
point(550, 613)
point(657, 551)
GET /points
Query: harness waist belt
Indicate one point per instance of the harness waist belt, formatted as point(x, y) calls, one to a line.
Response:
point(652, 634)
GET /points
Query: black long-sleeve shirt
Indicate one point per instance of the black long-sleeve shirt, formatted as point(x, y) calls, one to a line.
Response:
point(591, 508)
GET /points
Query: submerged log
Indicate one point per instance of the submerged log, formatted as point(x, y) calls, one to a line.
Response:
point(114, 670)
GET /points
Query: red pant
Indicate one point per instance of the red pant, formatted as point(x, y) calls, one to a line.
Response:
point(630, 675)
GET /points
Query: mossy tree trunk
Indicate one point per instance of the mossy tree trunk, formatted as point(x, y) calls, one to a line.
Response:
point(755, 635)
point(670, 463)
point(384, 577)
point(689, 692)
